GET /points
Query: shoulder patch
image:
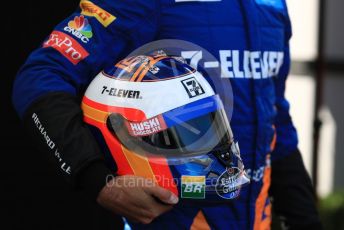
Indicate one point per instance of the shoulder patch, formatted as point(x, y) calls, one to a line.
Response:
point(90, 9)
point(67, 46)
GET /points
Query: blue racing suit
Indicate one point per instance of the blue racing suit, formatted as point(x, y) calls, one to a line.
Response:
point(249, 38)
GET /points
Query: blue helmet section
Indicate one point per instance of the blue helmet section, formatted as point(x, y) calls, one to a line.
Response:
point(192, 110)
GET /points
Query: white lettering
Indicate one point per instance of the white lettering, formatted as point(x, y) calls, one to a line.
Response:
point(188, 188)
point(272, 63)
point(280, 59)
point(225, 64)
point(198, 188)
point(247, 70)
point(264, 65)
point(194, 56)
point(50, 143)
point(77, 34)
point(236, 65)
point(255, 64)
point(242, 63)
point(145, 128)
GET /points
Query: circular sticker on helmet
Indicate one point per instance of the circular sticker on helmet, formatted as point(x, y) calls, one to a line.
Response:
point(228, 184)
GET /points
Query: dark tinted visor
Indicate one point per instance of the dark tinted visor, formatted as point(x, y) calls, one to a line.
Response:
point(196, 136)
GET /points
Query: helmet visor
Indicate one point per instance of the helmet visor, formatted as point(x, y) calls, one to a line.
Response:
point(193, 130)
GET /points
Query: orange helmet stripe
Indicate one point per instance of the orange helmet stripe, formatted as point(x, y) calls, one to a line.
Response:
point(95, 114)
point(139, 164)
point(147, 66)
point(162, 169)
point(129, 113)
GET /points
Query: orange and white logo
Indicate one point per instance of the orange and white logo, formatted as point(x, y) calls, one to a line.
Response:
point(90, 9)
point(148, 127)
point(67, 46)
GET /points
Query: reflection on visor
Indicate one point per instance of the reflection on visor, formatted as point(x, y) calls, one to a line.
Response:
point(184, 137)
point(192, 137)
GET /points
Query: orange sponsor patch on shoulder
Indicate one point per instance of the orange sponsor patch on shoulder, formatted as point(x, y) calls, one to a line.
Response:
point(90, 9)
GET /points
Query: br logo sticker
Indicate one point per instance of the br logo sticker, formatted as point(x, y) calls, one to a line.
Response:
point(193, 187)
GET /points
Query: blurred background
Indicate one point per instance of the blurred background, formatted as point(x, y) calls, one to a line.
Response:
point(34, 197)
point(315, 90)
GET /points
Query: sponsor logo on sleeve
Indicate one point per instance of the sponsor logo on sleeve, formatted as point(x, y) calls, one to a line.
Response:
point(147, 127)
point(80, 28)
point(192, 87)
point(67, 46)
point(90, 9)
point(193, 187)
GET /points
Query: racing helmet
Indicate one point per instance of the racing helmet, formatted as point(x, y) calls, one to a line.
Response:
point(160, 119)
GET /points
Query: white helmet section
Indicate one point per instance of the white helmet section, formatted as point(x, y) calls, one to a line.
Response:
point(153, 98)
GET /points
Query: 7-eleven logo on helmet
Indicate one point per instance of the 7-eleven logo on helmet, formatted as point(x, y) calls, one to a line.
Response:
point(193, 187)
point(193, 87)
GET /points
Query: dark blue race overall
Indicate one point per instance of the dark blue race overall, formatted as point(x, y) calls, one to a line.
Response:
point(248, 37)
